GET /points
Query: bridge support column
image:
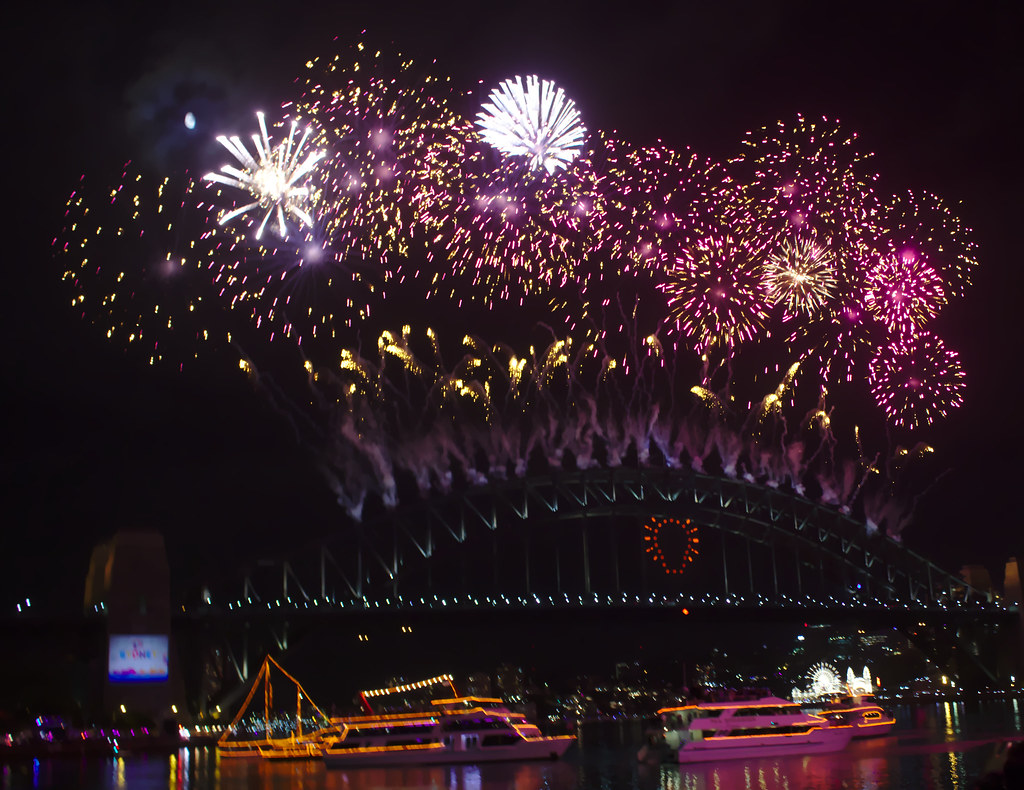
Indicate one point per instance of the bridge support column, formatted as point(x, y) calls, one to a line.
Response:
point(586, 560)
point(725, 566)
point(750, 569)
point(526, 558)
point(775, 575)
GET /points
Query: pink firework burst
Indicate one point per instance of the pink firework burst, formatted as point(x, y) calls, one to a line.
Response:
point(903, 291)
point(656, 201)
point(513, 231)
point(923, 223)
point(916, 380)
point(809, 176)
point(715, 293)
point(840, 340)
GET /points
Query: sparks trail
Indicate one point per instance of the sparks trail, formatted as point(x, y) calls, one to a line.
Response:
point(495, 414)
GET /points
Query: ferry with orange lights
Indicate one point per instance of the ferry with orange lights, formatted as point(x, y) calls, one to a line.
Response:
point(867, 718)
point(743, 729)
point(456, 730)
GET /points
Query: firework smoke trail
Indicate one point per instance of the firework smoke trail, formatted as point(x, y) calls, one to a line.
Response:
point(495, 413)
point(133, 269)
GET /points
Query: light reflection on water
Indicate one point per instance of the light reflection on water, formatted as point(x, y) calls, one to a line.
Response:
point(944, 746)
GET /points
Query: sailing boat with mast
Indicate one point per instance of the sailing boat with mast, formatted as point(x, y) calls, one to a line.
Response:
point(276, 734)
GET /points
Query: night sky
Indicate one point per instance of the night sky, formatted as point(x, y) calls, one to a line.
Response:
point(96, 441)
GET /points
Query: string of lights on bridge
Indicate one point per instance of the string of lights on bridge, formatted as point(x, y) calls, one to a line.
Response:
point(593, 600)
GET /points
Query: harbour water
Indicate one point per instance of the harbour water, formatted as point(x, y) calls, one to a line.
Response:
point(934, 746)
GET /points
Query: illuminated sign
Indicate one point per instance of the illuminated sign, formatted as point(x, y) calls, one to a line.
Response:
point(135, 658)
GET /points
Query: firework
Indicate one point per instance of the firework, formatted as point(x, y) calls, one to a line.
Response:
point(923, 224)
point(809, 176)
point(840, 340)
point(373, 193)
point(916, 380)
point(274, 181)
point(536, 121)
point(656, 201)
point(295, 288)
point(515, 231)
point(903, 291)
point(395, 147)
point(133, 269)
point(715, 293)
point(800, 275)
point(657, 541)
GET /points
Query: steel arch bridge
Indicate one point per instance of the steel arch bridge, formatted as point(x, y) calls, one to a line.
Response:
point(610, 537)
point(613, 542)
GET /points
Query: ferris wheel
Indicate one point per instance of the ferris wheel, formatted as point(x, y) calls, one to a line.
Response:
point(823, 680)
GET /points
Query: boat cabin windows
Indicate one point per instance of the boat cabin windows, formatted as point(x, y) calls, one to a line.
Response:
point(462, 725)
point(390, 729)
point(793, 730)
point(499, 739)
point(766, 711)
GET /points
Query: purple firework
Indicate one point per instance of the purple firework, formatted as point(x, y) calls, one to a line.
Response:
point(809, 176)
point(922, 222)
point(903, 291)
point(513, 230)
point(715, 292)
point(916, 380)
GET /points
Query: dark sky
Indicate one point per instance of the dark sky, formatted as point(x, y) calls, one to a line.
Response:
point(96, 441)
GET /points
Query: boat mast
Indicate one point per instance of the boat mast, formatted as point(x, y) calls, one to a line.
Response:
point(267, 702)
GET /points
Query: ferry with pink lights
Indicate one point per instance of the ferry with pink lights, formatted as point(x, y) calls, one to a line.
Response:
point(457, 730)
point(742, 729)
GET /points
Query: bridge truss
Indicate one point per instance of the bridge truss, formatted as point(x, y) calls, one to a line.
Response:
point(618, 541)
point(592, 538)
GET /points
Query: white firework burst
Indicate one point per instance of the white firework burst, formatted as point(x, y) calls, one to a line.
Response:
point(272, 179)
point(537, 121)
point(800, 275)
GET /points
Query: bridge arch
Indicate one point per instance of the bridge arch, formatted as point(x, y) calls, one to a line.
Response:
point(585, 536)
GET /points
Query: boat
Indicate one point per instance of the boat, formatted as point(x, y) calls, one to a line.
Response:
point(455, 730)
point(743, 729)
point(274, 732)
point(291, 749)
point(859, 711)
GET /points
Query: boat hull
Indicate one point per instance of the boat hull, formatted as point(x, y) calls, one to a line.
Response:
point(821, 741)
point(528, 749)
